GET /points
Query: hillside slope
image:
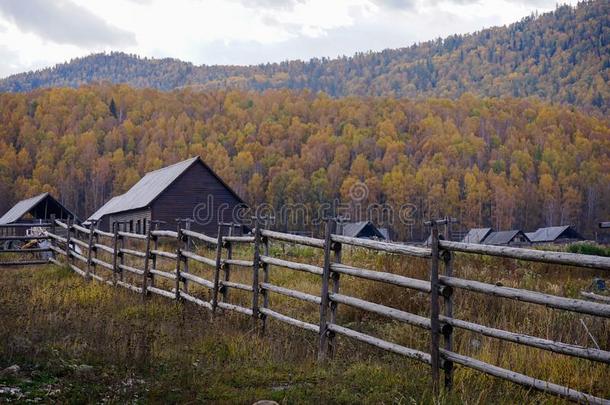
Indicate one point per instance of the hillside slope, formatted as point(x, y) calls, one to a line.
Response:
point(562, 57)
point(507, 162)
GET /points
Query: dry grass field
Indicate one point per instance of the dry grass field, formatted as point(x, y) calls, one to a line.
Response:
point(79, 342)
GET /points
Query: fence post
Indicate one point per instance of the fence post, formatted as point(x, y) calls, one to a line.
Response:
point(434, 309)
point(89, 251)
point(227, 266)
point(52, 230)
point(255, 269)
point(121, 257)
point(178, 260)
point(146, 274)
point(448, 332)
point(323, 337)
point(333, 305)
point(115, 253)
point(155, 240)
point(265, 293)
point(69, 223)
point(217, 269)
point(187, 246)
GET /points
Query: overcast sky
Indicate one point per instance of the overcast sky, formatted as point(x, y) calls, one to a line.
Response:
point(40, 33)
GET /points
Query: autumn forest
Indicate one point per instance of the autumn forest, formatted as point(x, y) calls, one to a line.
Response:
point(501, 162)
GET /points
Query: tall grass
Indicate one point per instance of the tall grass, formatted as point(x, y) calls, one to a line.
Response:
point(52, 322)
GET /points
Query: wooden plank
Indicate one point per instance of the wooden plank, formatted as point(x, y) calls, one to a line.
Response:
point(198, 258)
point(292, 265)
point(551, 301)
point(382, 310)
point(239, 239)
point(569, 259)
point(290, 321)
point(102, 233)
point(61, 224)
point(131, 270)
point(132, 252)
point(50, 235)
point(129, 286)
point(286, 237)
point(102, 263)
point(90, 250)
point(161, 253)
point(77, 270)
point(162, 273)
point(163, 293)
point(146, 275)
point(241, 263)
point(227, 267)
point(31, 250)
point(235, 308)
point(522, 379)
point(387, 247)
point(395, 279)
point(26, 225)
point(165, 234)
point(132, 235)
point(196, 301)
point(25, 263)
point(105, 248)
point(79, 243)
point(178, 270)
point(81, 229)
point(198, 280)
point(28, 238)
point(200, 236)
point(291, 293)
point(545, 344)
point(238, 286)
point(382, 344)
point(595, 297)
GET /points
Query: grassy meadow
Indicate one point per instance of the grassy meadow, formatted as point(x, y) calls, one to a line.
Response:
point(79, 342)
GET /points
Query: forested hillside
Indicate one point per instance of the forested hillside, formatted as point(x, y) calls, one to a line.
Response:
point(561, 57)
point(503, 162)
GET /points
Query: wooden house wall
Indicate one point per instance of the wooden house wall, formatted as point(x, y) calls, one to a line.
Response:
point(132, 218)
point(193, 188)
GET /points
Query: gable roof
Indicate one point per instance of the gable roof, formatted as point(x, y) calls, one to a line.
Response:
point(150, 187)
point(353, 229)
point(552, 233)
point(503, 237)
point(24, 206)
point(476, 235)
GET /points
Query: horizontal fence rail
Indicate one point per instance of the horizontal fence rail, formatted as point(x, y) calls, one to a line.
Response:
point(83, 257)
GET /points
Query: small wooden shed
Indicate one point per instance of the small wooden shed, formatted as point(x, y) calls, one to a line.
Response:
point(188, 189)
point(34, 210)
point(513, 237)
point(362, 229)
point(555, 234)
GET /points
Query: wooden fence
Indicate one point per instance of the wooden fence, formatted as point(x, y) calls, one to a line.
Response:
point(440, 287)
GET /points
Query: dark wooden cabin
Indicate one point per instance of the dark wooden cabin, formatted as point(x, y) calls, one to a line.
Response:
point(34, 210)
point(187, 189)
point(555, 234)
point(362, 229)
point(514, 237)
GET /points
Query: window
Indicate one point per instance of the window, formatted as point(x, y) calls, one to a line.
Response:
point(144, 226)
point(131, 225)
point(138, 223)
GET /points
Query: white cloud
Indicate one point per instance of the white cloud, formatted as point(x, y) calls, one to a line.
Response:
point(236, 31)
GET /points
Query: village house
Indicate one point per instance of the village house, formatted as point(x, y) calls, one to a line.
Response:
point(555, 234)
point(34, 210)
point(188, 189)
point(362, 229)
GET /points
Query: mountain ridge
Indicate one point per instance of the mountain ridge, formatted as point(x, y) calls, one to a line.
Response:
point(560, 57)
